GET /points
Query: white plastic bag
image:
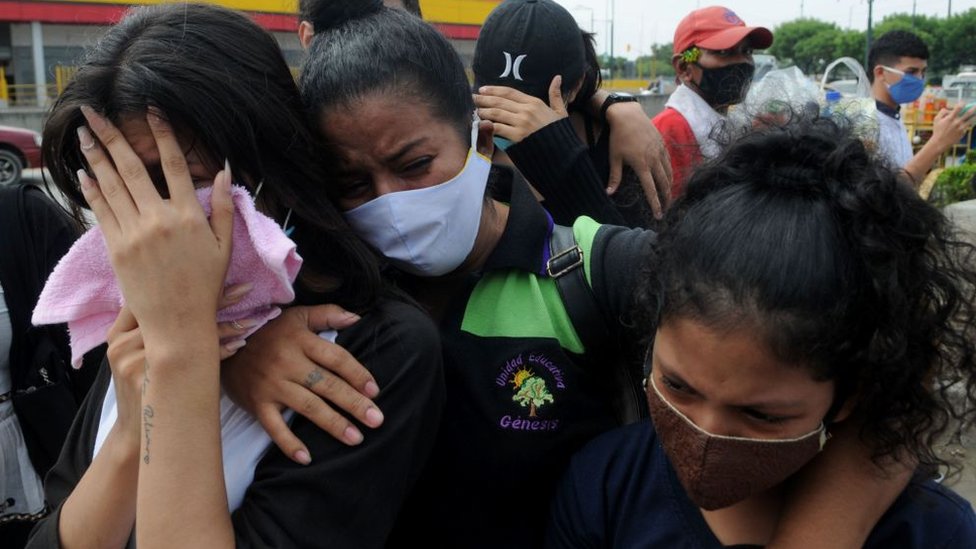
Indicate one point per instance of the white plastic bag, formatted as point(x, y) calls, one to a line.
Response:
point(862, 88)
point(780, 93)
point(856, 103)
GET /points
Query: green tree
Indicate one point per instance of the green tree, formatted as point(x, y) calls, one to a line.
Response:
point(798, 42)
point(954, 44)
point(813, 52)
point(532, 394)
point(850, 43)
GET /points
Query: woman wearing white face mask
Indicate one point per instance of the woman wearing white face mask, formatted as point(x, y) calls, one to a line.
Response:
point(527, 384)
point(865, 310)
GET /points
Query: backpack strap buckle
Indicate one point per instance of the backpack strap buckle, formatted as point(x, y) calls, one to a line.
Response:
point(565, 261)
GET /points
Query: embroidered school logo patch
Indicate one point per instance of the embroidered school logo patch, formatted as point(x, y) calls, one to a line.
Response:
point(534, 381)
point(732, 18)
point(512, 68)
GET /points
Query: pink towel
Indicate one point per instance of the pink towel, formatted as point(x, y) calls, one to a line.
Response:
point(84, 292)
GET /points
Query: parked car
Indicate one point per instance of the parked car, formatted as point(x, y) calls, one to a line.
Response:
point(960, 86)
point(19, 149)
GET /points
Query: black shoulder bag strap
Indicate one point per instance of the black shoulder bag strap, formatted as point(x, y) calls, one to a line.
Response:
point(565, 267)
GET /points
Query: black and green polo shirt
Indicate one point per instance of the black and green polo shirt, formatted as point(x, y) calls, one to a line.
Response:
point(523, 394)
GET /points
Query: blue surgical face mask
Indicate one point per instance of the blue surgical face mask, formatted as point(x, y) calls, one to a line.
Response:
point(906, 90)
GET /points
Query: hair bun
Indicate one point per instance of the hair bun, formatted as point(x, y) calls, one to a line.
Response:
point(795, 178)
point(332, 14)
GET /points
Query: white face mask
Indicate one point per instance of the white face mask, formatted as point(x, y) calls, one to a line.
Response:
point(430, 231)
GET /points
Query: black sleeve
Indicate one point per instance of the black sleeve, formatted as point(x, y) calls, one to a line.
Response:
point(557, 164)
point(572, 520)
point(53, 233)
point(350, 496)
point(72, 463)
point(617, 257)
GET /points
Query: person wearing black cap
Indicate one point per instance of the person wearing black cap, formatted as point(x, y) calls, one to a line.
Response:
point(713, 62)
point(523, 47)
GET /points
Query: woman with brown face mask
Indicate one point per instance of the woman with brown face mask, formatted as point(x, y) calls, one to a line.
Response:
point(788, 300)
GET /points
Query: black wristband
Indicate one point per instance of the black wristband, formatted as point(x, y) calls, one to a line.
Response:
point(612, 99)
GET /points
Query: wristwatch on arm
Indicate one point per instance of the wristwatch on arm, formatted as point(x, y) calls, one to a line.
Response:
point(613, 99)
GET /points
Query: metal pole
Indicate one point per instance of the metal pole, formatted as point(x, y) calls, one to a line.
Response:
point(913, 14)
point(950, 9)
point(40, 66)
point(613, 14)
point(868, 46)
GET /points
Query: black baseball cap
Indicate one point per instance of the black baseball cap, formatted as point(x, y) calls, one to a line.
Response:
point(525, 43)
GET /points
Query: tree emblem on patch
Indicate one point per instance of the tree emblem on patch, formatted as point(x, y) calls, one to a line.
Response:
point(531, 391)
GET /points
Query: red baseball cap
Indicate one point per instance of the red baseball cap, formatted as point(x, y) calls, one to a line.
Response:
point(717, 28)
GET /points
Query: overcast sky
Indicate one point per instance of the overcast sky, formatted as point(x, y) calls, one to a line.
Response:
point(642, 23)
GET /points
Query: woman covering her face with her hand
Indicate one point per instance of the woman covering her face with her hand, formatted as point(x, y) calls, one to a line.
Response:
point(159, 454)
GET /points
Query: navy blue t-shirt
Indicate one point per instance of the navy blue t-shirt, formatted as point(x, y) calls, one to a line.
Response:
point(620, 491)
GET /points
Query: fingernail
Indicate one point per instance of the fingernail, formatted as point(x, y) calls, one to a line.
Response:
point(227, 171)
point(238, 291)
point(302, 457)
point(352, 435)
point(85, 138)
point(609, 190)
point(373, 417)
point(351, 316)
point(153, 116)
point(372, 389)
point(246, 323)
point(233, 346)
point(83, 179)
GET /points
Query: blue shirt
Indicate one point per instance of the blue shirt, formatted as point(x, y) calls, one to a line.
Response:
point(621, 491)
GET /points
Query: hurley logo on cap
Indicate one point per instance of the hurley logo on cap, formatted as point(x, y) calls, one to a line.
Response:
point(512, 68)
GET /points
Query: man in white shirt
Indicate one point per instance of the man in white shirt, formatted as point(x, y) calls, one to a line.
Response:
point(897, 63)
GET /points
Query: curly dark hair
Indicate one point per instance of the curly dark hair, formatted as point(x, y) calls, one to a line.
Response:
point(797, 232)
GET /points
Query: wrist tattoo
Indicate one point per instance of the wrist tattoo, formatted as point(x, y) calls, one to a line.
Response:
point(147, 415)
point(145, 376)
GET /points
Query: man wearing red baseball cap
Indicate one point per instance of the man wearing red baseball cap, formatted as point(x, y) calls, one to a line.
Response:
point(713, 62)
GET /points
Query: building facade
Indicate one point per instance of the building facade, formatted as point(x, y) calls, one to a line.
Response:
point(41, 40)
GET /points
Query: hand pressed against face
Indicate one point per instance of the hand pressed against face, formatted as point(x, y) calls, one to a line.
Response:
point(136, 131)
point(728, 383)
point(386, 145)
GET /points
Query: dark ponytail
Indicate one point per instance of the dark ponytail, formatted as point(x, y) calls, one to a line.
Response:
point(363, 48)
point(332, 14)
point(798, 233)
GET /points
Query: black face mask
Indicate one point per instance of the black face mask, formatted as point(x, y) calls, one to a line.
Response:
point(726, 85)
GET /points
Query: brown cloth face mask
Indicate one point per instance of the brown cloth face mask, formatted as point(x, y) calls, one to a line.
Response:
point(717, 471)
